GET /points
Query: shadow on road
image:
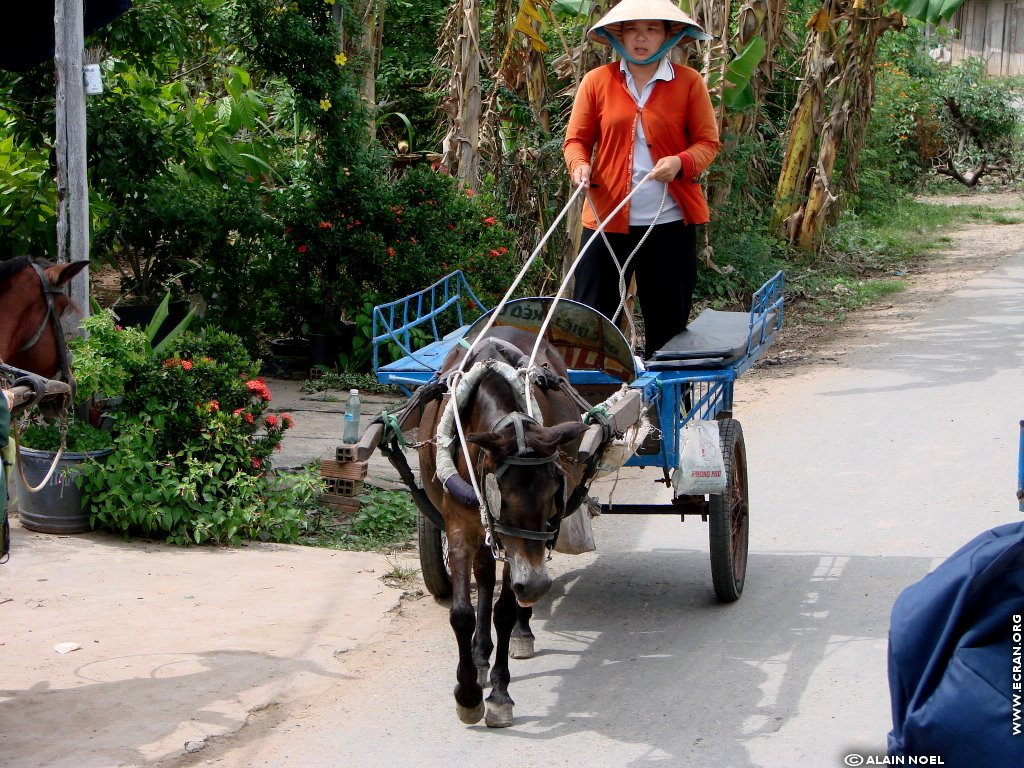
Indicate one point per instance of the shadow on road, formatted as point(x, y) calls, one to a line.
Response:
point(738, 672)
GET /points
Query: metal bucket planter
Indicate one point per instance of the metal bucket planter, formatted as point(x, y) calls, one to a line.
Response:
point(57, 506)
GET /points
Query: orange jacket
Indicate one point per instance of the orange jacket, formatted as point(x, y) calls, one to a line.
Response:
point(678, 120)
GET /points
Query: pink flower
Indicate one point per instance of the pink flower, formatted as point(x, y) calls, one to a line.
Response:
point(489, 221)
point(186, 364)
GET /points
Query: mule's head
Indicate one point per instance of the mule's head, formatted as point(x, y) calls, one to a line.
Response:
point(526, 489)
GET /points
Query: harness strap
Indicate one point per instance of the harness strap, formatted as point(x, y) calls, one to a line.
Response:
point(519, 533)
point(63, 354)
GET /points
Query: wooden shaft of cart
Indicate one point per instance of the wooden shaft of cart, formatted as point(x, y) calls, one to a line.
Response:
point(22, 395)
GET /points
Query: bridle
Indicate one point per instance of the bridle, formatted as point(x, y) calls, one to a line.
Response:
point(492, 491)
point(51, 317)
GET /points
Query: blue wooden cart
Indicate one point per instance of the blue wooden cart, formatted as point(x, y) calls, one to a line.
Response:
point(692, 377)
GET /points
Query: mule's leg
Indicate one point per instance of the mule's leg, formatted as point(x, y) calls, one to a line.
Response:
point(468, 694)
point(483, 568)
point(499, 703)
point(522, 645)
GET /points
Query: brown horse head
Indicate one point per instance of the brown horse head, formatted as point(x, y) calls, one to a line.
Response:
point(33, 300)
point(526, 492)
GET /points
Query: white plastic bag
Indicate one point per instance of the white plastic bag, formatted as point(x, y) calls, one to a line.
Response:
point(575, 534)
point(701, 466)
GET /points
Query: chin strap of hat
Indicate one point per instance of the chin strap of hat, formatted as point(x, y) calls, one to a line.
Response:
point(614, 42)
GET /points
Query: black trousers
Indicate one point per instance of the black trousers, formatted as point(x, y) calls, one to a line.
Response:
point(666, 274)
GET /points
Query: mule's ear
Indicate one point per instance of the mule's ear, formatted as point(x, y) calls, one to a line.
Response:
point(61, 274)
point(492, 442)
point(568, 431)
point(551, 437)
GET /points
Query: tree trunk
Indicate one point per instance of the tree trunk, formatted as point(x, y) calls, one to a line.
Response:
point(849, 114)
point(365, 48)
point(805, 120)
point(461, 145)
point(756, 17)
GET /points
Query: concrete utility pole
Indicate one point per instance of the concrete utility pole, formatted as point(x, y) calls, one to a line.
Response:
point(72, 182)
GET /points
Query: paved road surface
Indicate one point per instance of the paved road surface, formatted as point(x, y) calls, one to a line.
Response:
point(866, 469)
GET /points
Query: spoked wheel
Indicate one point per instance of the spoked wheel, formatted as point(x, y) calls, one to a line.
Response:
point(730, 517)
point(433, 558)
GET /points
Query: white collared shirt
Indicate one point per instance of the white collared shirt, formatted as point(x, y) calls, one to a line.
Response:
point(643, 206)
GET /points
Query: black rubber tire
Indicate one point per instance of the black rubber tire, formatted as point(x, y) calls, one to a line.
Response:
point(730, 517)
point(433, 558)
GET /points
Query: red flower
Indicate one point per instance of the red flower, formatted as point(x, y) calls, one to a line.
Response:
point(271, 421)
point(213, 405)
point(503, 250)
point(186, 364)
point(258, 388)
point(469, 192)
point(326, 225)
point(249, 418)
point(257, 463)
point(237, 412)
point(287, 421)
point(302, 248)
point(391, 251)
point(495, 254)
point(489, 221)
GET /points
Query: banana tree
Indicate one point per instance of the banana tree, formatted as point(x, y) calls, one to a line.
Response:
point(838, 78)
point(459, 52)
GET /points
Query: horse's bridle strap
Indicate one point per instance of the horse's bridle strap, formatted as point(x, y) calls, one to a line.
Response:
point(520, 533)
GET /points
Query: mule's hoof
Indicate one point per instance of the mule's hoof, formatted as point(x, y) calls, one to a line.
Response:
point(498, 715)
point(470, 715)
point(483, 676)
point(520, 647)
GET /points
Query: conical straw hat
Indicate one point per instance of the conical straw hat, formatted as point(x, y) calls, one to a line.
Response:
point(638, 10)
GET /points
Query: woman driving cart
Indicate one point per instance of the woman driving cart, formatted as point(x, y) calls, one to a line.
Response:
point(642, 115)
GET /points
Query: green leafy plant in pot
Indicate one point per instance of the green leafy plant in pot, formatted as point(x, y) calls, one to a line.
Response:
point(52, 451)
point(192, 453)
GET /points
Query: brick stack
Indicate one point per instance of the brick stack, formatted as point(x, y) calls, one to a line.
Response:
point(343, 477)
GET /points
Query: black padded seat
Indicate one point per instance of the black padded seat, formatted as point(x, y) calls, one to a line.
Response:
point(713, 340)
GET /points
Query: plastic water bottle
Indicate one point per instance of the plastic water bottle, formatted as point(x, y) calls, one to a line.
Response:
point(351, 433)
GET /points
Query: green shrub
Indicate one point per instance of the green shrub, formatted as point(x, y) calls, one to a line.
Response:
point(192, 452)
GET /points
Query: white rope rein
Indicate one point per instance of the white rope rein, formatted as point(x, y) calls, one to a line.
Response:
point(450, 415)
point(576, 263)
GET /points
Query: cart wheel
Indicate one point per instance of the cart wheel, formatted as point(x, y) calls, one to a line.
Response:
point(730, 517)
point(433, 557)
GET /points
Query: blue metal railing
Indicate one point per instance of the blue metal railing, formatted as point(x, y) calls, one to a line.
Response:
point(396, 321)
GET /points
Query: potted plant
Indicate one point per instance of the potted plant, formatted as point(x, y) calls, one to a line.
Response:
point(192, 452)
point(52, 451)
point(51, 454)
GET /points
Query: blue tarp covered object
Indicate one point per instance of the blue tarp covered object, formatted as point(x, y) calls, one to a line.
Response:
point(955, 657)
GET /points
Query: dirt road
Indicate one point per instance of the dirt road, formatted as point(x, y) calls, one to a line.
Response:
point(281, 656)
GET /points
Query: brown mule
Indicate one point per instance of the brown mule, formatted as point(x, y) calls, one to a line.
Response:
point(527, 471)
